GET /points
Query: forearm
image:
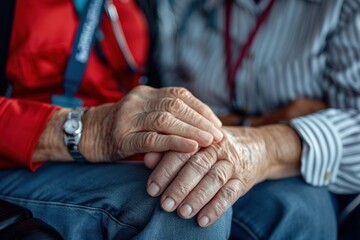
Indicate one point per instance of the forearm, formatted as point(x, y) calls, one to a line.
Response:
point(51, 145)
point(51, 142)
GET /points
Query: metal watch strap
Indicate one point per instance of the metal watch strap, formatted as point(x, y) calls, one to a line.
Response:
point(72, 142)
point(75, 153)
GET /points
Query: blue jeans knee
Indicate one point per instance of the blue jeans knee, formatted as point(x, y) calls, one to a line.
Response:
point(100, 201)
point(285, 209)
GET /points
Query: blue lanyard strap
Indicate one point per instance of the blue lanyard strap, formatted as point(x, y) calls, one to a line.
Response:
point(80, 53)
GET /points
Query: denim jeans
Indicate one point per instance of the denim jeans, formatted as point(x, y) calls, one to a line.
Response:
point(285, 209)
point(100, 201)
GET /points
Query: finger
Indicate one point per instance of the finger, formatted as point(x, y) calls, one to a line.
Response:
point(187, 179)
point(183, 112)
point(222, 201)
point(190, 100)
point(164, 122)
point(144, 142)
point(213, 181)
point(166, 171)
point(152, 159)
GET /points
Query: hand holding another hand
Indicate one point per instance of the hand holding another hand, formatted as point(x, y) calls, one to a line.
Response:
point(145, 120)
point(148, 119)
point(208, 182)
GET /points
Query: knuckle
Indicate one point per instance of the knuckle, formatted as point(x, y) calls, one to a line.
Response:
point(182, 157)
point(139, 120)
point(242, 185)
point(180, 92)
point(166, 173)
point(176, 105)
point(179, 191)
point(184, 189)
point(219, 208)
point(218, 175)
point(162, 120)
point(148, 140)
point(201, 196)
point(228, 194)
point(128, 103)
point(200, 164)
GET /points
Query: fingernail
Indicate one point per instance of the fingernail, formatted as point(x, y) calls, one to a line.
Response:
point(218, 135)
point(207, 137)
point(153, 189)
point(190, 144)
point(168, 204)
point(186, 210)
point(204, 221)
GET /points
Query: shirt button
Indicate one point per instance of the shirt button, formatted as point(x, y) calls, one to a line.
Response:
point(328, 176)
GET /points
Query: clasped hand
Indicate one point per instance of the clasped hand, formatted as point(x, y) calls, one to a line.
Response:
point(148, 120)
point(208, 182)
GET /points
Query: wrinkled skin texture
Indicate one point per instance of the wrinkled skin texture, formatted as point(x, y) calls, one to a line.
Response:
point(213, 178)
point(209, 181)
point(145, 120)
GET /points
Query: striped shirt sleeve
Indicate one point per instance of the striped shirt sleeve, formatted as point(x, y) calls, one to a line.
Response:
point(331, 138)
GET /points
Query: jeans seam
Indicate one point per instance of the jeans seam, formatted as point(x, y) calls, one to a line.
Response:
point(81, 207)
point(246, 228)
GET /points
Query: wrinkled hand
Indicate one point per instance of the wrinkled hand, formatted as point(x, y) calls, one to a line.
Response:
point(148, 119)
point(208, 182)
point(297, 108)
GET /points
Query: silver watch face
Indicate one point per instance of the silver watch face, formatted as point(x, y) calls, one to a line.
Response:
point(71, 126)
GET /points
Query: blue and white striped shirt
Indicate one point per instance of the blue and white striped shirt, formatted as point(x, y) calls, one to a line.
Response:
point(306, 48)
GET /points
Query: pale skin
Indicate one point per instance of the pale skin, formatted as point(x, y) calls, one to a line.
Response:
point(207, 182)
point(203, 170)
point(145, 120)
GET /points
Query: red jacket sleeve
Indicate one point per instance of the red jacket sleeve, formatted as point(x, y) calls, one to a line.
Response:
point(21, 124)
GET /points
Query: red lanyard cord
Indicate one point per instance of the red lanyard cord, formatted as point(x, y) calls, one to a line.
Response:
point(231, 71)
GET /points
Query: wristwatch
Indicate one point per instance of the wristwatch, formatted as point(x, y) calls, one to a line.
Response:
point(73, 127)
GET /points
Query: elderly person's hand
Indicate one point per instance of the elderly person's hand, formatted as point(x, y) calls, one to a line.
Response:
point(145, 120)
point(208, 182)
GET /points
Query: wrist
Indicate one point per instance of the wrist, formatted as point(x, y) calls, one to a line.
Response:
point(94, 144)
point(284, 147)
point(73, 128)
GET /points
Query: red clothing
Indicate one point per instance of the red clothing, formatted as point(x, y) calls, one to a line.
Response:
point(41, 42)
